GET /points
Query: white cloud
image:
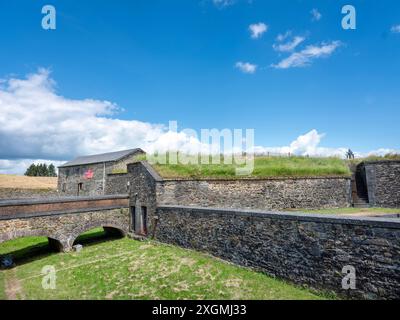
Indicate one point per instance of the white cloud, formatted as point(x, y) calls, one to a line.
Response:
point(305, 145)
point(246, 67)
point(316, 15)
point(306, 56)
point(395, 29)
point(37, 123)
point(289, 46)
point(223, 3)
point(309, 145)
point(258, 29)
point(283, 36)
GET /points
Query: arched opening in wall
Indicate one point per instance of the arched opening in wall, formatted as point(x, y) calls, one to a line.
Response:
point(98, 235)
point(26, 249)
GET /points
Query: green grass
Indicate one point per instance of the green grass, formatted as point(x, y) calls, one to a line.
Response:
point(119, 171)
point(128, 269)
point(353, 210)
point(263, 167)
point(389, 156)
point(2, 286)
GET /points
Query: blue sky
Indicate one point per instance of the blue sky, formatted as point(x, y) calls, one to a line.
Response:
point(178, 60)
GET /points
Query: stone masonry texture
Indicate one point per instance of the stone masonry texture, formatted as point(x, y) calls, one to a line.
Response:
point(117, 184)
point(70, 177)
point(265, 194)
point(305, 249)
point(383, 183)
point(143, 180)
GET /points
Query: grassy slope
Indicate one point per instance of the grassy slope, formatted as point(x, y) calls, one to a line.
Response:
point(22, 182)
point(263, 167)
point(127, 269)
point(2, 286)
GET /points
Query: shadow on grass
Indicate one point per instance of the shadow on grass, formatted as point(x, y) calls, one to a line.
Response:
point(96, 236)
point(38, 249)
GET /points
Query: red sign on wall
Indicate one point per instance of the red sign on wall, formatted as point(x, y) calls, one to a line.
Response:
point(89, 174)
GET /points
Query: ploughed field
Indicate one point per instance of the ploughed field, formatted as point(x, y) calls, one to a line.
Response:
point(128, 269)
point(22, 187)
point(8, 181)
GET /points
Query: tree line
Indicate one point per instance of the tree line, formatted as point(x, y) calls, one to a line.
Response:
point(41, 170)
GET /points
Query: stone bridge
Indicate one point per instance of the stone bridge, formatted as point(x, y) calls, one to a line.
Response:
point(63, 220)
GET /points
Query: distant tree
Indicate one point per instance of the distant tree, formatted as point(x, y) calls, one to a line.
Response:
point(52, 171)
point(31, 171)
point(36, 170)
point(45, 170)
point(41, 170)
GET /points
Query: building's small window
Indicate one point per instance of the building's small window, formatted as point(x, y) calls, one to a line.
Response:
point(128, 186)
point(64, 187)
point(80, 188)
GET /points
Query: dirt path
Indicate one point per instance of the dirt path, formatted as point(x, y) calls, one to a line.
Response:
point(369, 214)
point(13, 288)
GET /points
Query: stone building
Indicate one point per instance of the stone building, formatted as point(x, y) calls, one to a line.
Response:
point(95, 175)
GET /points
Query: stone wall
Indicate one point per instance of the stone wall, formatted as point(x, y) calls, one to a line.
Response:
point(143, 181)
point(265, 194)
point(383, 183)
point(117, 184)
point(305, 249)
point(63, 227)
point(148, 189)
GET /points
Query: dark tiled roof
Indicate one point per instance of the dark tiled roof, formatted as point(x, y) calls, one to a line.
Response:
point(100, 158)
